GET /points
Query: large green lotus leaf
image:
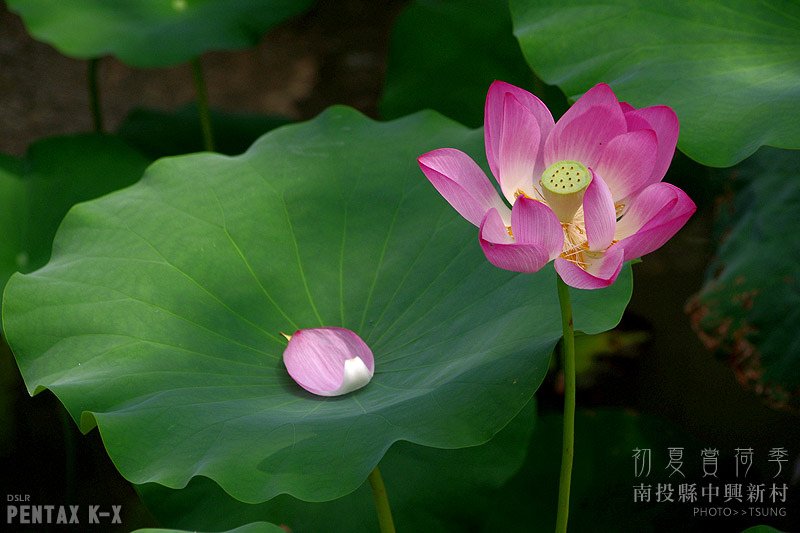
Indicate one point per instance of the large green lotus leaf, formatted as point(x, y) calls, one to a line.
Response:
point(162, 133)
point(444, 55)
point(429, 490)
point(38, 190)
point(152, 33)
point(255, 527)
point(159, 316)
point(749, 307)
point(602, 476)
point(729, 69)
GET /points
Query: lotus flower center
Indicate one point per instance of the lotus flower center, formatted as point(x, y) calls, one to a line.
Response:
point(566, 177)
point(563, 186)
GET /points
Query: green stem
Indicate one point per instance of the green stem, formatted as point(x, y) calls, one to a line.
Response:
point(202, 104)
point(94, 95)
point(381, 501)
point(568, 445)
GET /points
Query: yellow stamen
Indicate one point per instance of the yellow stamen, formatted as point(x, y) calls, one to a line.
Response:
point(575, 244)
point(520, 192)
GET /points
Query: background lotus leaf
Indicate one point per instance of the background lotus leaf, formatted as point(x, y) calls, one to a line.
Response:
point(729, 69)
point(152, 33)
point(161, 133)
point(444, 55)
point(255, 527)
point(749, 307)
point(56, 173)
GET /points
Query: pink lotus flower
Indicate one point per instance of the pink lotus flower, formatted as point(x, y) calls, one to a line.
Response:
point(585, 191)
point(328, 361)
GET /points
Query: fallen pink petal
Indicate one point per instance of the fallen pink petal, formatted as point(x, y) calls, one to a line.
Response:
point(328, 361)
point(585, 191)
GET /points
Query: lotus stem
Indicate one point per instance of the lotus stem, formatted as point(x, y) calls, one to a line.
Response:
point(568, 444)
point(94, 94)
point(381, 501)
point(202, 104)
